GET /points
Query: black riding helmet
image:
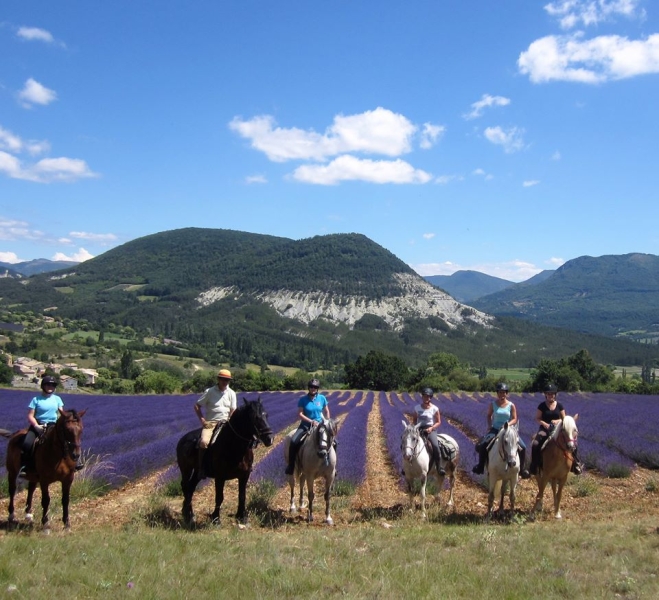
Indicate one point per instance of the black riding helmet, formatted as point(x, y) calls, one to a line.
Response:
point(502, 387)
point(550, 388)
point(48, 380)
point(313, 383)
point(427, 392)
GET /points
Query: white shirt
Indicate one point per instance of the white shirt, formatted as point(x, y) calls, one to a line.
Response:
point(217, 404)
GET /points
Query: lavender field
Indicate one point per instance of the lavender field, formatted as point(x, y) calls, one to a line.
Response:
point(137, 435)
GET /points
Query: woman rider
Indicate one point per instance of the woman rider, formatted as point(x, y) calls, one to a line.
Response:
point(311, 409)
point(549, 414)
point(426, 416)
point(42, 411)
point(499, 412)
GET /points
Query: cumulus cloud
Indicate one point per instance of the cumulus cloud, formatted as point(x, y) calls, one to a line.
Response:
point(32, 34)
point(379, 131)
point(349, 168)
point(511, 139)
point(10, 257)
point(430, 134)
point(596, 60)
point(47, 170)
point(486, 101)
point(554, 263)
point(13, 143)
point(35, 93)
point(12, 230)
point(575, 13)
point(80, 256)
point(99, 238)
point(530, 183)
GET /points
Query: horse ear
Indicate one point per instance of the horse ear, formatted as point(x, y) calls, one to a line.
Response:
point(61, 411)
point(82, 413)
point(245, 401)
point(576, 417)
point(404, 422)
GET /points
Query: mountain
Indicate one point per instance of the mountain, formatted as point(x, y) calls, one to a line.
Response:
point(614, 295)
point(466, 286)
point(537, 278)
point(32, 267)
point(313, 303)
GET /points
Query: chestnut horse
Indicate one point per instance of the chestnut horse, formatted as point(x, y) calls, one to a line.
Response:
point(557, 462)
point(231, 457)
point(55, 459)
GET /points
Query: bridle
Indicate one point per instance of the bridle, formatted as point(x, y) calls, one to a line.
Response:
point(256, 437)
point(60, 429)
point(412, 433)
point(504, 442)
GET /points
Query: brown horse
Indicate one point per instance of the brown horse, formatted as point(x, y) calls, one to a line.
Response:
point(55, 458)
point(557, 461)
point(231, 457)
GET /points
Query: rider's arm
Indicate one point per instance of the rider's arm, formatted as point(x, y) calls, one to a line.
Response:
point(490, 416)
point(31, 420)
point(513, 415)
point(538, 419)
point(437, 419)
point(199, 414)
point(326, 412)
point(304, 417)
point(562, 413)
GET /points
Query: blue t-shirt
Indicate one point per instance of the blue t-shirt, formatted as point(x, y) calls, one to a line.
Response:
point(500, 416)
point(313, 407)
point(45, 408)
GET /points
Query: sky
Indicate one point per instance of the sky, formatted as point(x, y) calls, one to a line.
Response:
point(502, 136)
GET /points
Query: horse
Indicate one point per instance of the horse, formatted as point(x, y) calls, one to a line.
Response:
point(316, 458)
point(230, 457)
point(557, 462)
point(55, 457)
point(416, 464)
point(502, 468)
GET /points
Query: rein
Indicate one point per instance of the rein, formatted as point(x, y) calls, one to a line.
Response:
point(419, 446)
point(68, 448)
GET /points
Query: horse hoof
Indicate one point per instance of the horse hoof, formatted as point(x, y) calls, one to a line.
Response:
point(558, 516)
point(29, 517)
point(329, 521)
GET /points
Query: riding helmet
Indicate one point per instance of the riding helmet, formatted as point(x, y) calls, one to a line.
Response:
point(427, 392)
point(314, 383)
point(48, 380)
point(502, 387)
point(550, 388)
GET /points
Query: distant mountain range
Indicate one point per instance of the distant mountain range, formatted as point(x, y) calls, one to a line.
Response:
point(33, 267)
point(310, 303)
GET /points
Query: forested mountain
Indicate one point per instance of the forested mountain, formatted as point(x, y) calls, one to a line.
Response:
point(312, 303)
point(466, 286)
point(608, 295)
point(38, 265)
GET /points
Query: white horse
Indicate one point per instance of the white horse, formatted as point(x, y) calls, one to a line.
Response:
point(316, 458)
point(557, 459)
point(416, 464)
point(502, 468)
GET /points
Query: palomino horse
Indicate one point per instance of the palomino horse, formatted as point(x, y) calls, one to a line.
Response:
point(416, 464)
point(55, 459)
point(231, 457)
point(557, 461)
point(502, 468)
point(316, 458)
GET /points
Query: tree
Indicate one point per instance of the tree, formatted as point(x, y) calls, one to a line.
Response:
point(377, 371)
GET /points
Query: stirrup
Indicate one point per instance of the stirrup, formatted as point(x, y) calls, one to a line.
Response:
point(22, 472)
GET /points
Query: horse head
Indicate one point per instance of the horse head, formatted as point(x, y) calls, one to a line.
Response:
point(570, 431)
point(508, 440)
point(409, 441)
point(258, 420)
point(325, 433)
point(69, 431)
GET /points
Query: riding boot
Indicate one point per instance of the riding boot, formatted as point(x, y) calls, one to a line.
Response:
point(80, 464)
point(292, 454)
point(22, 472)
point(523, 471)
point(479, 469)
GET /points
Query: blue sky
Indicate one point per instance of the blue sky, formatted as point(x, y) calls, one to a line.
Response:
point(501, 136)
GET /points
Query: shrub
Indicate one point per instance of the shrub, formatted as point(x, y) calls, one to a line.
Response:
point(618, 471)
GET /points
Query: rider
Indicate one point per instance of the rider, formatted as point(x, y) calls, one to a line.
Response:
point(426, 416)
point(499, 412)
point(42, 411)
point(312, 407)
point(218, 402)
point(549, 414)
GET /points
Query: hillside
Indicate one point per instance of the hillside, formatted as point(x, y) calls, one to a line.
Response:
point(313, 303)
point(607, 295)
point(32, 267)
point(466, 286)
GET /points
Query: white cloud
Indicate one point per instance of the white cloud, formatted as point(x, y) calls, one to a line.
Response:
point(510, 139)
point(47, 170)
point(13, 143)
point(556, 155)
point(31, 34)
point(430, 134)
point(574, 13)
point(11, 229)
point(600, 59)
point(486, 101)
point(515, 270)
point(10, 257)
point(99, 238)
point(481, 173)
point(256, 179)
point(444, 179)
point(428, 236)
point(35, 93)
point(80, 256)
point(379, 131)
point(554, 263)
point(530, 183)
point(349, 168)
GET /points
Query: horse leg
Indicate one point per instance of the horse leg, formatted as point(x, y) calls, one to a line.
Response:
point(422, 492)
point(301, 481)
point(557, 490)
point(328, 492)
point(45, 505)
point(31, 486)
point(291, 483)
point(451, 483)
point(241, 515)
point(219, 498)
point(493, 490)
point(311, 495)
point(11, 480)
point(66, 492)
point(189, 481)
point(513, 490)
point(542, 483)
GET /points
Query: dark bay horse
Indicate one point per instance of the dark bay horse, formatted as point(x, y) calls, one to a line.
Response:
point(231, 457)
point(55, 458)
